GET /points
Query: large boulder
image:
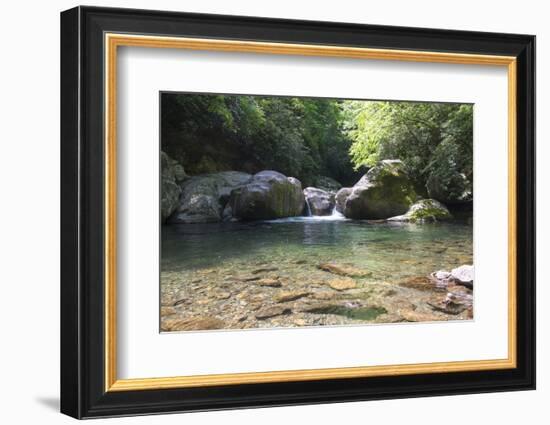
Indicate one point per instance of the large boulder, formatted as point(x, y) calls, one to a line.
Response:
point(268, 195)
point(320, 202)
point(424, 211)
point(341, 197)
point(327, 184)
point(449, 187)
point(464, 275)
point(384, 191)
point(203, 197)
point(172, 174)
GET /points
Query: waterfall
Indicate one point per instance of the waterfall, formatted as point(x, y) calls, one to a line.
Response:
point(308, 209)
point(335, 213)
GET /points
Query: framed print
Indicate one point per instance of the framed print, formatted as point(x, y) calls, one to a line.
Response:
point(261, 212)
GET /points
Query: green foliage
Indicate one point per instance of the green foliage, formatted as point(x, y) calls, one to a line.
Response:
point(296, 136)
point(310, 137)
point(433, 139)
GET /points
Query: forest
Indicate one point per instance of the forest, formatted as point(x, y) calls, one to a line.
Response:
point(312, 137)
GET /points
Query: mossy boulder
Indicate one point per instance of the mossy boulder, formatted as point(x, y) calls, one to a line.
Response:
point(320, 202)
point(268, 195)
point(424, 211)
point(204, 197)
point(172, 174)
point(384, 191)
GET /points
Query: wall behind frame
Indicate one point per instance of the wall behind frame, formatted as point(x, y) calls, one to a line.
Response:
point(29, 221)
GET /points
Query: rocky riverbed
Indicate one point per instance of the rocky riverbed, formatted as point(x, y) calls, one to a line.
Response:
point(276, 283)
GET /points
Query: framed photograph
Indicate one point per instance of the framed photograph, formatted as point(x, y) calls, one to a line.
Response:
point(261, 212)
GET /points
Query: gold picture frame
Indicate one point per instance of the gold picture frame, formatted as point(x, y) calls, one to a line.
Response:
point(114, 41)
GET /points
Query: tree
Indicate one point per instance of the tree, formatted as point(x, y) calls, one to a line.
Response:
point(311, 137)
point(300, 137)
point(433, 139)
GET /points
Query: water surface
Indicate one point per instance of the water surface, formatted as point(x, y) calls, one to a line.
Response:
point(268, 274)
point(389, 251)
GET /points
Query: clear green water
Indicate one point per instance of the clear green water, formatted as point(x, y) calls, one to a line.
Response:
point(294, 246)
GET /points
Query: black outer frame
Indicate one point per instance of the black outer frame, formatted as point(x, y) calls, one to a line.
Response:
point(82, 212)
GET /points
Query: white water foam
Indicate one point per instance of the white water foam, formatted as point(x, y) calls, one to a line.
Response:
point(334, 216)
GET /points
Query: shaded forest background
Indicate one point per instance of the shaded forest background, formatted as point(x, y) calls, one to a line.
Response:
point(312, 137)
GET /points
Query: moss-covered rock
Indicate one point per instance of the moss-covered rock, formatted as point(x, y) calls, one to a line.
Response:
point(384, 191)
point(424, 211)
point(268, 195)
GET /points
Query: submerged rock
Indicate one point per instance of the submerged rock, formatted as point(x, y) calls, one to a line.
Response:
point(343, 270)
point(191, 324)
point(385, 191)
point(290, 296)
point(167, 311)
point(272, 311)
point(422, 283)
point(274, 283)
point(424, 211)
point(342, 284)
point(341, 197)
point(203, 197)
point(320, 202)
point(416, 316)
point(268, 195)
point(449, 307)
point(351, 310)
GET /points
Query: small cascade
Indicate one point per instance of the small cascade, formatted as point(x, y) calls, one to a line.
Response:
point(336, 213)
point(309, 217)
point(308, 209)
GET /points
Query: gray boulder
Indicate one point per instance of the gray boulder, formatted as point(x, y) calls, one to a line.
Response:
point(172, 174)
point(384, 191)
point(341, 197)
point(320, 202)
point(204, 197)
point(463, 275)
point(424, 211)
point(268, 195)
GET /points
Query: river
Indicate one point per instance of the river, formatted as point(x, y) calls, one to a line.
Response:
point(221, 262)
